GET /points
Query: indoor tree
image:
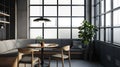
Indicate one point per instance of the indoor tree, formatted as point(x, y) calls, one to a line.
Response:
point(86, 32)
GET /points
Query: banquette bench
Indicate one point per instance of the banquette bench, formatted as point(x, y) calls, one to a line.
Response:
point(9, 52)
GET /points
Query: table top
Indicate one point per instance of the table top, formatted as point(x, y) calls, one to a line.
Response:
point(46, 45)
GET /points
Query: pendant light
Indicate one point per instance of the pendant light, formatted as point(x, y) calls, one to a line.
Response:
point(42, 19)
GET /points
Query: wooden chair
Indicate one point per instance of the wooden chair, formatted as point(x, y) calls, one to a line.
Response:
point(24, 58)
point(63, 54)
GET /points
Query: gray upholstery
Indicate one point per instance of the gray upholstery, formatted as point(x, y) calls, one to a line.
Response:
point(66, 42)
point(10, 53)
point(77, 45)
point(3, 47)
point(9, 47)
point(10, 44)
point(58, 41)
point(77, 50)
point(21, 43)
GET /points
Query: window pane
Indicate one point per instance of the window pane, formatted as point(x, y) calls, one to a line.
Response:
point(75, 33)
point(35, 33)
point(60, 16)
point(116, 18)
point(50, 33)
point(116, 35)
point(102, 34)
point(97, 35)
point(77, 1)
point(64, 1)
point(77, 10)
point(50, 10)
point(35, 11)
point(52, 23)
point(108, 35)
point(76, 22)
point(97, 9)
point(93, 21)
point(96, 1)
point(116, 3)
point(35, 1)
point(34, 23)
point(108, 20)
point(102, 6)
point(93, 11)
point(64, 11)
point(102, 21)
point(64, 22)
point(108, 5)
point(97, 21)
point(50, 1)
point(64, 33)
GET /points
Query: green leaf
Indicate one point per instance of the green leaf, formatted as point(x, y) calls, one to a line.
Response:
point(86, 32)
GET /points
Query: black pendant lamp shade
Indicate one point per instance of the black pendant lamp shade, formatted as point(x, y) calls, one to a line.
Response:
point(42, 19)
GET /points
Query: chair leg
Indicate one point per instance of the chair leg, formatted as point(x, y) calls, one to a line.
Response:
point(18, 64)
point(57, 63)
point(62, 58)
point(69, 62)
point(39, 63)
point(49, 61)
point(32, 65)
point(24, 65)
point(69, 59)
point(62, 62)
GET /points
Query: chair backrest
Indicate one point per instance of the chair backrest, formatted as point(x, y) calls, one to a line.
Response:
point(25, 50)
point(66, 48)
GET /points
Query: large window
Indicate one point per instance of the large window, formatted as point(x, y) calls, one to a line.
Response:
point(107, 19)
point(65, 16)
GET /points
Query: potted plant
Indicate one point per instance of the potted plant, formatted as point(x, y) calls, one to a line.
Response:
point(39, 39)
point(86, 34)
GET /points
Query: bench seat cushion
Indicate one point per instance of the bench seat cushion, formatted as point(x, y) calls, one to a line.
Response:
point(21, 43)
point(77, 50)
point(3, 47)
point(77, 45)
point(10, 44)
point(10, 53)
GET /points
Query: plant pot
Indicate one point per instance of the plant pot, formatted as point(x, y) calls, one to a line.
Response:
point(42, 43)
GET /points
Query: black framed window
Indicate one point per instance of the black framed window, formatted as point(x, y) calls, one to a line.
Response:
point(106, 18)
point(65, 16)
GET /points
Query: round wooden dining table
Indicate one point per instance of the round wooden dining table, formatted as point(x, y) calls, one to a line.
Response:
point(46, 45)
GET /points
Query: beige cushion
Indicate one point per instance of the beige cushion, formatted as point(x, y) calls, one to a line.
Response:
point(59, 56)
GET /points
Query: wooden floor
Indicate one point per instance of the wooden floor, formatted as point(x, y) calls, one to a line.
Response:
point(75, 63)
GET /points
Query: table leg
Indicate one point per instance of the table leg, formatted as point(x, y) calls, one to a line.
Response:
point(42, 57)
point(43, 64)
